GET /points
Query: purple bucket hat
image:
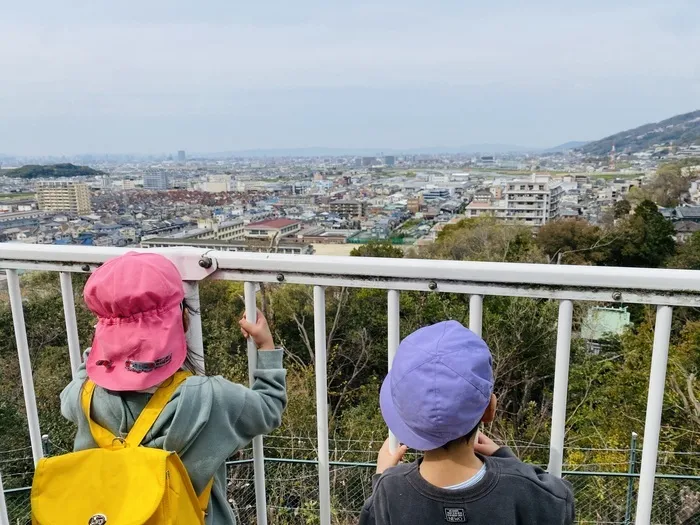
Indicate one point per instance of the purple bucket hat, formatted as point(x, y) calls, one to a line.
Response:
point(439, 386)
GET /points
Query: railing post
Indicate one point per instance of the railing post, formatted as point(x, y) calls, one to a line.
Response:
point(652, 425)
point(194, 331)
point(561, 385)
point(394, 338)
point(251, 312)
point(4, 515)
point(25, 365)
point(476, 308)
point(324, 488)
point(630, 480)
point(71, 322)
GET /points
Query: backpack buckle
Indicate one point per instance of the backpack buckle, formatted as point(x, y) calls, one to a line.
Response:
point(98, 519)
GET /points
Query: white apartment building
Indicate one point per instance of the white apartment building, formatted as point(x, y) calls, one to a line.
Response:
point(65, 196)
point(533, 201)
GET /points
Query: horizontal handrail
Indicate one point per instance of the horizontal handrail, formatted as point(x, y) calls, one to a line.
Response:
point(591, 283)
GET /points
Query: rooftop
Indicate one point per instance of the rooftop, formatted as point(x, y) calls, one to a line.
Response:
point(272, 224)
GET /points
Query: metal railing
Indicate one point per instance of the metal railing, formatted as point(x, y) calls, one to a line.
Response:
point(662, 288)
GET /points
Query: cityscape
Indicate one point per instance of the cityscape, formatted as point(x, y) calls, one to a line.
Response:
point(322, 205)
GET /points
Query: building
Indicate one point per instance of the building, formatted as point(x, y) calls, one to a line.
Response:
point(272, 228)
point(181, 156)
point(492, 208)
point(534, 201)
point(217, 184)
point(285, 246)
point(349, 208)
point(155, 180)
point(389, 160)
point(436, 193)
point(601, 323)
point(414, 204)
point(368, 161)
point(65, 196)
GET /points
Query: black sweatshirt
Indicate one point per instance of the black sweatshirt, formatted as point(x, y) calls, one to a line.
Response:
point(511, 492)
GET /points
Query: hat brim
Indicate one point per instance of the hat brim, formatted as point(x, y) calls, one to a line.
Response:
point(160, 336)
point(396, 423)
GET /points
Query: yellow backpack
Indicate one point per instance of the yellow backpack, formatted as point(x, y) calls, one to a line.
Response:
point(120, 483)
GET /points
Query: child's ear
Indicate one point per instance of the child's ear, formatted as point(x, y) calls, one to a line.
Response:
point(185, 319)
point(490, 413)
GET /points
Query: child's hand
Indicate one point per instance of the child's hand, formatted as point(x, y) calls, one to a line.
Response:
point(259, 331)
point(485, 445)
point(386, 459)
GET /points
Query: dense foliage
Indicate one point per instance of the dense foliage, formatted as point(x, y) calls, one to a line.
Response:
point(607, 391)
point(681, 130)
point(35, 171)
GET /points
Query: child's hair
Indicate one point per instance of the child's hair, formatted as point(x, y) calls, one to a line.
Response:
point(461, 440)
point(193, 361)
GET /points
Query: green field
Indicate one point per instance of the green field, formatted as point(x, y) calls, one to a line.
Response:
point(16, 196)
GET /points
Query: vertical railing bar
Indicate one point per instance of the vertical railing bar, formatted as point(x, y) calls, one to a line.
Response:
point(71, 322)
point(195, 344)
point(652, 425)
point(251, 312)
point(25, 365)
point(324, 490)
point(476, 308)
point(4, 515)
point(394, 338)
point(561, 385)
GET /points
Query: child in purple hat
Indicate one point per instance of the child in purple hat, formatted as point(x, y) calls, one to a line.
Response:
point(438, 392)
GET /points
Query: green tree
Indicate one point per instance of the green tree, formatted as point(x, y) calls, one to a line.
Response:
point(377, 249)
point(622, 209)
point(572, 241)
point(484, 239)
point(688, 254)
point(645, 239)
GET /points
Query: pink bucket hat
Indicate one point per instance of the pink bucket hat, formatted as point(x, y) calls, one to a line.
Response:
point(140, 338)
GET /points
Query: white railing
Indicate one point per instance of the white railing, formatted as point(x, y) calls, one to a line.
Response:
point(662, 288)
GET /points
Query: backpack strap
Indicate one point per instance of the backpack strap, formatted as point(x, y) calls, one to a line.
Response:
point(105, 439)
point(205, 496)
point(153, 408)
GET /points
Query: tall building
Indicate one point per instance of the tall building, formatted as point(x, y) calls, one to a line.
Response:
point(368, 161)
point(65, 196)
point(534, 201)
point(181, 156)
point(389, 160)
point(349, 208)
point(155, 180)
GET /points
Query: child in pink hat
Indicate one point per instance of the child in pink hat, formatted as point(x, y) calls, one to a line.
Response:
point(139, 343)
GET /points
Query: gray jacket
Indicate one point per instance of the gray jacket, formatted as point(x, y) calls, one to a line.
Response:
point(511, 493)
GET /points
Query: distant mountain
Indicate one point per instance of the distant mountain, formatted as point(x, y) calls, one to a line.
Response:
point(567, 146)
point(367, 152)
point(681, 130)
point(34, 171)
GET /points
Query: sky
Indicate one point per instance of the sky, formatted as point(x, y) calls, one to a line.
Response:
point(155, 76)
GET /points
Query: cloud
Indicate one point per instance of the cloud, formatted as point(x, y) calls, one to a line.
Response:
point(151, 60)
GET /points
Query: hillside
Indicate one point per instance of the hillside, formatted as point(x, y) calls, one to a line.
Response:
point(681, 130)
point(34, 171)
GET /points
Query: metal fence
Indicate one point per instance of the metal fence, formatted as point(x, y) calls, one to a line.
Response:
point(293, 495)
point(664, 289)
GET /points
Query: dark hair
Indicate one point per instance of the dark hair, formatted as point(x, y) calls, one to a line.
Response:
point(461, 440)
point(194, 361)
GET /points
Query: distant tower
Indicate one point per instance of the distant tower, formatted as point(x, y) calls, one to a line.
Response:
point(181, 156)
point(612, 157)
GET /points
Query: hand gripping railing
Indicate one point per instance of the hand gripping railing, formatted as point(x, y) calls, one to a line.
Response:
point(662, 288)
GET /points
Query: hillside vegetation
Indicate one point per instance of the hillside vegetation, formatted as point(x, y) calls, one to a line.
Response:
point(36, 171)
point(681, 130)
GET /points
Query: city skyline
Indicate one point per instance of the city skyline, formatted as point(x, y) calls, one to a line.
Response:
point(112, 79)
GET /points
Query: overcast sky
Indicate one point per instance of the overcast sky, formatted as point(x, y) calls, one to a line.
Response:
point(152, 76)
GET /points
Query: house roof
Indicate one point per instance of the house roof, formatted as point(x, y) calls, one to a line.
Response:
point(686, 227)
point(271, 224)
